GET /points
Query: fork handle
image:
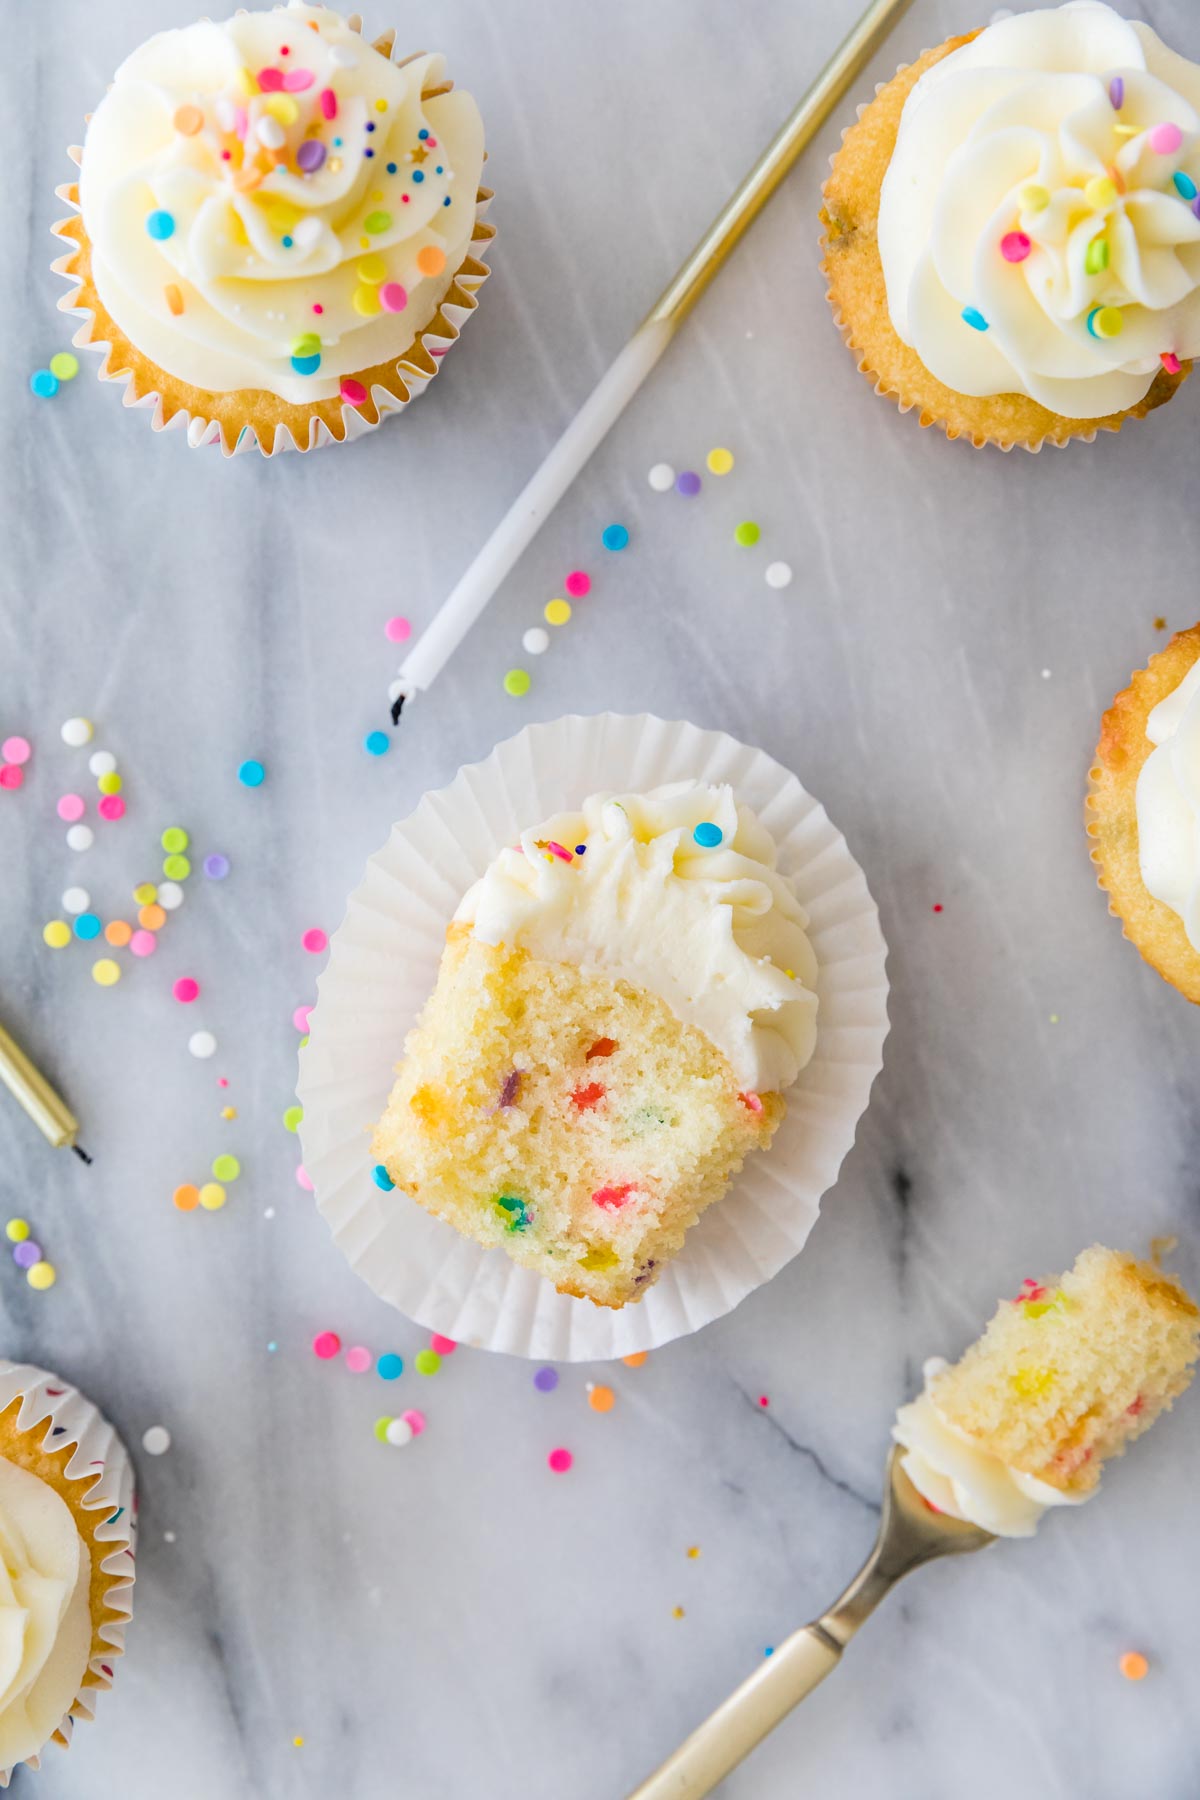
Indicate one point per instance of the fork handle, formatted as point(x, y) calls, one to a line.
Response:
point(793, 1670)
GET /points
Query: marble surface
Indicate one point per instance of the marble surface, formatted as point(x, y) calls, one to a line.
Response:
point(451, 1622)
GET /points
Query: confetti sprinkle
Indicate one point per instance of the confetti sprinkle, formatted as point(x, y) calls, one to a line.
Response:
point(427, 1362)
point(578, 584)
point(170, 896)
point(1015, 246)
point(358, 1359)
point(202, 1044)
point(76, 900)
point(719, 461)
point(111, 807)
point(1170, 362)
point(1105, 322)
point(635, 1359)
point(42, 1275)
point(71, 807)
point(1165, 139)
point(661, 478)
point(687, 483)
point(87, 927)
point(1134, 1666)
point(143, 943)
point(315, 940)
point(517, 683)
point(106, 972)
point(431, 260)
point(397, 630)
point(17, 1230)
point(747, 534)
point(398, 1433)
point(416, 1419)
point(213, 1196)
point(292, 1118)
point(601, 1399)
point(57, 934)
point(186, 989)
point(16, 750)
point(326, 1344)
point(1100, 192)
point(778, 575)
point(11, 777)
point(300, 1017)
point(156, 1441)
point(216, 866)
point(64, 366)
point(226, 1168)
point(160, 225)
point(186, 1197)
point(251, 774)
point(535, 641)
point(546, 1380)
point(444, 1346)
point(693, 1552)
point(390, 1366)
point(80, 837)
point(615, 537)
point(43, 384)
point(560, 1461)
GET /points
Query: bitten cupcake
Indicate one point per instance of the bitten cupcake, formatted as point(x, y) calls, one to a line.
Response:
point(278, 228)
point(1012, 229)
point(66, 1560)
point(1144, 811)
point(623, 1000)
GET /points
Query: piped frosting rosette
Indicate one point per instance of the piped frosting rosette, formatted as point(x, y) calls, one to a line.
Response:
point(274, 217)
point(1039, 226)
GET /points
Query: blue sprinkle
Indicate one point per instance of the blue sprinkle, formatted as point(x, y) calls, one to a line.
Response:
point(418, 175)
point(287, 242)
point(391, 168)
point(87, 927)
point(439, 170)
point(382, 1179)
point(390, 1366)
point(446, 201)
point(370, 124)
point(272, 1347)
point(251, 774)
point(1091, 316)
point(1185, 184)
point(306, 365)
point(770, 1650)
point(615, 537)
point(581, 849)
point(368, 153)
point(337, 143)
point(974, 318)
point(377, 743)
point(44, 384)
point(160, 225)
point(708, 835)
point(422, 135)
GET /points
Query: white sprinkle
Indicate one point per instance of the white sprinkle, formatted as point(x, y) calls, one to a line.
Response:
point(170, 895)
point(536, 641)
point(156, 1441)
point(226, 115)
point(168, 1537)
point(76, 732)
point(778, 575)
point(399, 1433)
point(202, 1043)
point(76, 900)
point(306, 232)
point(662, 478)
point(102, 762)
point(269, 1213)
point(270, 132)
point(80, 837)
point(1045, 674)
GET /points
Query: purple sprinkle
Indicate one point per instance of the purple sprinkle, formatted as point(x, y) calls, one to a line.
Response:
point(26, 1254)
point(546, 1380)
point(216, 866)
point(1196, 206)
point(687, 483)
point(310, 155)
point(511, 1088)
point(1116, 92)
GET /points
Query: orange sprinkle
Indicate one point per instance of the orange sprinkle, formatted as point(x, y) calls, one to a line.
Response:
point(602, 1399)
point(693, 1551)
point(677, 1612)
point(187, 1197)
point(431, 260)
point(247, 178)
point(188, 120)
point(173, 298)
point(1133, 1666)
point(151, 918)
point(636, 1360)
point(118, 932)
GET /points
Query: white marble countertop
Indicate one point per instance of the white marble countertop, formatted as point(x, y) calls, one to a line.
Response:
point(451, 1622)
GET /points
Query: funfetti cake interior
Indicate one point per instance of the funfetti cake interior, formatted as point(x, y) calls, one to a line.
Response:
point(623, 999)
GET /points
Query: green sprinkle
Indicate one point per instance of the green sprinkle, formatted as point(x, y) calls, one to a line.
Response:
point(176, 868)
point(747, 534)
point(292, 1117)
point(174, 840)
point(66, 367)
point(427, 1362)
point(516, 682)
point(376, 222)
point(226, 1168)
point(381, 1426)
point(1097, 256)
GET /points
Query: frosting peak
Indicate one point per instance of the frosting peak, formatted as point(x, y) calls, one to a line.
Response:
point(1168, 804)
point(45, 1615)
point(1039, 225)
point(675, 891)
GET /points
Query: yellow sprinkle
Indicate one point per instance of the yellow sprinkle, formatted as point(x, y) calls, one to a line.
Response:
point(145, 893)
point(106, 972)
point(677, 1612)
point(17, 1230)
point(1100, 193)
point(110, 783)
point(1035, 198)
point(372, 269)
point(557, 612)
point(381, 106)
point(283, 108)
point(57, 934)
point(212, 1196)
point(366, 301)
point(720, 462)
point(229, 1112)
point(1109, 322)
point(42, 1275)
point(790, 973)
point(247, 83)
point(173, 298)
point(693, 1551)
point(299, 1743)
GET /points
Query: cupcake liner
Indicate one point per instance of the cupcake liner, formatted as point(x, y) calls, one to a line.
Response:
point(382, 967)
point(232, 419)
point(58, 1418)
point(1058, 431)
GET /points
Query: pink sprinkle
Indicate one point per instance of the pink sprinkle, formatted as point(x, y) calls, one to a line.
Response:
point(303, 1178)
point(296, 80)
point(752, 1102)
point(763, 1400)
point(315, 941)
point(1165, 139)
point(558, 850)
point(397, 630)
point(241, 121)
point(1170, 362)
point(11, 776)
point(143, 943)
point(431, 142)
point(70, 808)
point(326, 1344)
point(443, 1345)
point(392, 297)
point(317, 307)
point(404, 199)
point(111, 807)
point(270, 80)
point(1015, 246)
point(300, 1017)
point(612, 1198)
point(560, 1461)
point(328, 100)
point(16, 750)
point(186, 990)
point(359, 1359)
point(353, 392)
point(578, 584)
point(415, 1419)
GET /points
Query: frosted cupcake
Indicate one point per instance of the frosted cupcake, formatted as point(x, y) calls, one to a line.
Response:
point(278, 228)
point(66, 1560)
point(623, 1000)
point(1144, 811)
point(1012, 234)
point(1067, 1375)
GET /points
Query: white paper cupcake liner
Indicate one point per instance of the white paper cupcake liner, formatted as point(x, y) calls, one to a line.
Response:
point(382, 966)
point(59, 1414)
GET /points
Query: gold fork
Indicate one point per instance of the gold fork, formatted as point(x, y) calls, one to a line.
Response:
point(910, 1533)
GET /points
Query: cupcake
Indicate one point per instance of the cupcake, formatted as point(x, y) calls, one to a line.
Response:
point(1065, 1376)
point(277, 227)
point(1144, 811)
point(622, 1001)
point(66, 1560)
point(1012, 229)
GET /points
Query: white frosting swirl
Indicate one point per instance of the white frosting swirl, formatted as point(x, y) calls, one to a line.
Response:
point(715, 931)
point(45, 1614)
point(960, 1479)
point(270, 205)
point(1168, 804)
point(1021, 196)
